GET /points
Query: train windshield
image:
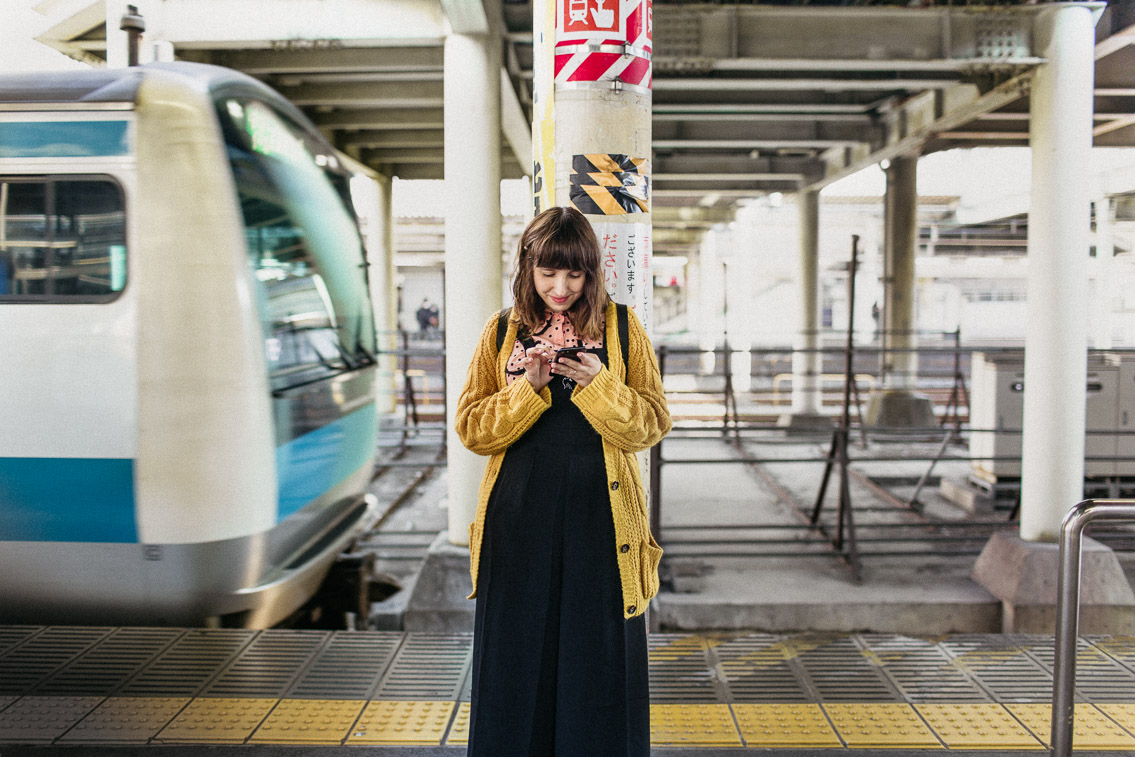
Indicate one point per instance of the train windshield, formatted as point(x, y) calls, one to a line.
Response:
point(62, 240)
point(303, 246)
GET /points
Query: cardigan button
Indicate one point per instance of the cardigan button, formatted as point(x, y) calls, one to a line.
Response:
point(614, 486)
point(625, 548)
point(630, 610)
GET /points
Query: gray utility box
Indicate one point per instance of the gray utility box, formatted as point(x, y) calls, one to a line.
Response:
point(997, 384)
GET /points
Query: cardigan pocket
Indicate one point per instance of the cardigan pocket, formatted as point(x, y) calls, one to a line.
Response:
point(650, 555)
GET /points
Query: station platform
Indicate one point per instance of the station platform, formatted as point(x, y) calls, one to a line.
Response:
point(93, 690)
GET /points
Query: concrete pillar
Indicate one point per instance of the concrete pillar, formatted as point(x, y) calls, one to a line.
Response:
point(807, 367)
point(901, 245)
point(1052, 475)
point(740, 248)
point(472, 238)
point(1103, 318)
point(711, 291)
point(896, 404)
point(372, 194)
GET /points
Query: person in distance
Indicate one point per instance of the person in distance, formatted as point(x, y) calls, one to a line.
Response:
point(561, 555)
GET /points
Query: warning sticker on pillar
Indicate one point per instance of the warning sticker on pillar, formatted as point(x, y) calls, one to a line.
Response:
point(603, 41)
point(626, 253)
point(609, 185)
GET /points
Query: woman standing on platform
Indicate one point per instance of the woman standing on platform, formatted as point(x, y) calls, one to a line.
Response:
point(561, 555)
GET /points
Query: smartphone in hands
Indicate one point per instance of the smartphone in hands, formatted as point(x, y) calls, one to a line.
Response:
point(569, 353)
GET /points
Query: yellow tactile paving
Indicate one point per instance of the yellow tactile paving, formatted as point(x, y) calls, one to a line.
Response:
point(678, 648)
point(1092, 729)
point(881, 725)
point(402, 722)
point(785, 725)
point(211, 720)
point(459, 731)
point(977, 726)
point(1124, 714)
point(309, 721)
point(692, 725)
point(38, 719)
point(123, 720)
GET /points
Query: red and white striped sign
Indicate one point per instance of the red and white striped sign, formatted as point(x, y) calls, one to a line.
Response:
point(604, 40)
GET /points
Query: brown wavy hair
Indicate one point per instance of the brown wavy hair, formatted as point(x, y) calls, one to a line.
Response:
point(560, 238)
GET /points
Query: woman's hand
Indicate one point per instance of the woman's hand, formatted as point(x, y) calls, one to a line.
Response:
point(581, 371)
point(537, 366)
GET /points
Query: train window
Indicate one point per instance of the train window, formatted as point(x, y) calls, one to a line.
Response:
point(64, 139)
point(303, 246)
point(62, 240)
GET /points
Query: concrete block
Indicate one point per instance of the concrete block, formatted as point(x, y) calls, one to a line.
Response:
point(957, 489)
point(437, 602)
point(805, 423)
point(1024, 576)
point(900, 408)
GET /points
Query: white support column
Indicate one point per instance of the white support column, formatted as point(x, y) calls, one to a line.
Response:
point(472, 238)
point(1052, 477)
point(739, 248)
point(1103, 312)
point(373, 201)
point(807, 366)
point(902, 234)
point(711, 290)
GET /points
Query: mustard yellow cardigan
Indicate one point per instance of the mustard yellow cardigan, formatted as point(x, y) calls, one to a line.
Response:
point(630, 416)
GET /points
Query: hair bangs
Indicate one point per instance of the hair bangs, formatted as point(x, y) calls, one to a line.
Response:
point(570, 252)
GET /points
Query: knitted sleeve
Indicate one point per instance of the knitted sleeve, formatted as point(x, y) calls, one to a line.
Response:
point(489, 419)
point(632, 416)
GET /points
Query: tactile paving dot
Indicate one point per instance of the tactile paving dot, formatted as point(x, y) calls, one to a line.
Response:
point(309, 721)
point(5, 701)
point(402, 722)
point(787, 725)
point(1091, 728)
point(881, 725)
point(209, 720)
point(35, 719)
point(977, 726)
point(692, 725)
point(126, 720)
point(459, 731)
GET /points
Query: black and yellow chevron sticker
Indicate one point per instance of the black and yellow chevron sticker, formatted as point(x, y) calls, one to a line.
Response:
point(609, 185)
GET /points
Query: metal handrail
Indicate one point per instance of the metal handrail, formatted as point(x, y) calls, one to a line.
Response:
point(1068, 611)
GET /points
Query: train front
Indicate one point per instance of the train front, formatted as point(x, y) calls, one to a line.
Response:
point(188, 385)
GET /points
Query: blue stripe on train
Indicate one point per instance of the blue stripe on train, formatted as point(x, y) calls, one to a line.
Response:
point(308, 466)
point(67, 499)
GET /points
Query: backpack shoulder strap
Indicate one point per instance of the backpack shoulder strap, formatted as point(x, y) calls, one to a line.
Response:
point(502, 327)
point(623, 323)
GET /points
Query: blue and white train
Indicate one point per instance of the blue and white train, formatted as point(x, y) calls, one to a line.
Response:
point(187, 401)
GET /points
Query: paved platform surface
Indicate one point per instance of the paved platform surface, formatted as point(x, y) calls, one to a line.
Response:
point(78, 690)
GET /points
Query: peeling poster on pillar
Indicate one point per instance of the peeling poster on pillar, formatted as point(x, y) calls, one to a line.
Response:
point(609, 185)
point(625, 250)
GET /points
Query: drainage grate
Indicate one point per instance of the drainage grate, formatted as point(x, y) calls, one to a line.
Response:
point(188, 664)
point(679, 671)
point(349, 667)
point(919, 670)
point(40, 656)
point(104, 668)
point(1099, 678)
point(427, 666)
point(837, 671)
point(760, 668)
point(267, 666)
point(10, 636)
point(1000, 666)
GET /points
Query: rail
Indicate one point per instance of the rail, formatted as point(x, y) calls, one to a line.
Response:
point(1068, 610)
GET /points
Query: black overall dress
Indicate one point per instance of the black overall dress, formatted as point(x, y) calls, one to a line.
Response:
point(556, 668)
